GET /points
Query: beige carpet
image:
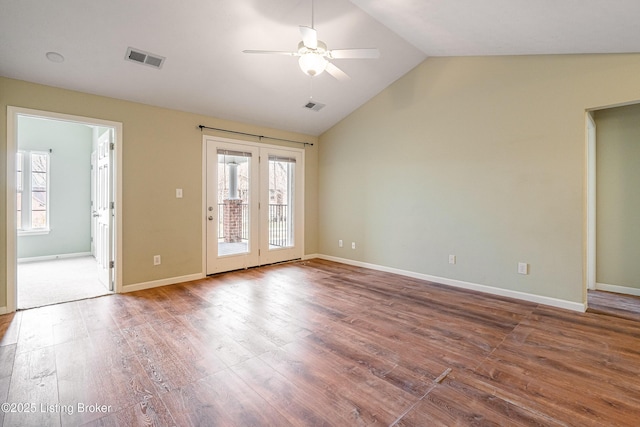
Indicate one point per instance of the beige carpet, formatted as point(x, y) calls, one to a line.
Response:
point(52, 282)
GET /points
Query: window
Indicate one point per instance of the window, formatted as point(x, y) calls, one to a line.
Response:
point(32, 192)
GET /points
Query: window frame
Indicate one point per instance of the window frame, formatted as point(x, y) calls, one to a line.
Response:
point(24, 187)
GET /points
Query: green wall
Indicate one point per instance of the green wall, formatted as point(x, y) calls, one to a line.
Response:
point(479, 157)
point(69, 186)
point(618, 196)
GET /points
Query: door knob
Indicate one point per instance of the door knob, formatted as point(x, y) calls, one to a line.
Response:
point(210, 218)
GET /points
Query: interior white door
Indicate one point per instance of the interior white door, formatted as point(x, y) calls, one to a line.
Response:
point(103, 210)
point(94, 213)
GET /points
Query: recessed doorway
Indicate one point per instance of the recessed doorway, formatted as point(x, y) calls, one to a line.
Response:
point(612, 203)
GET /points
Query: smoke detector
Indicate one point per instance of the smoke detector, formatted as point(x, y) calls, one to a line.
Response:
point(144, 58)
point(314, 106)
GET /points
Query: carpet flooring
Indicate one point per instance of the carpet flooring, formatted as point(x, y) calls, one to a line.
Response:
point(51, 282)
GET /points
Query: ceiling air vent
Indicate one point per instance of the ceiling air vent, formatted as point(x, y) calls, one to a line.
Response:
point(315, 106)
point(145, 58)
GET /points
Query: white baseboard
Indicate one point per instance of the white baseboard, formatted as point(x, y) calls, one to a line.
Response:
point(53, 257)
point(310, 256)
point(618, 289)
point(162, 282)
point(3, 310)
point(539, 299)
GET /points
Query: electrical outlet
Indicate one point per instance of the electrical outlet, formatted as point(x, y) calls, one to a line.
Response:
point(452, 259)
point(178, 193)
point(340, 244)
point(157, 260)
point(523, 268)
point(353, 245)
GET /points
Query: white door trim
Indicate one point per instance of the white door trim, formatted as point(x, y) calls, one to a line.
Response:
point(591, 203)
point(10, 249)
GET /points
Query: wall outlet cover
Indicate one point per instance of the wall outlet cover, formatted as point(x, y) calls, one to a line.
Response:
point(523, 268)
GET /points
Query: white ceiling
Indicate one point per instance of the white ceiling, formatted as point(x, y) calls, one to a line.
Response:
point(206, 72)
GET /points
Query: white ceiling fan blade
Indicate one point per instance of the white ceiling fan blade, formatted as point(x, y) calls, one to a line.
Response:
point(272, 52)
point(309, 37)
point(372, 53)
point(336, 72)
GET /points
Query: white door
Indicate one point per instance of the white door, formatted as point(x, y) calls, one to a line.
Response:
point(281, 218)
point(253, 206)
point(103, 211)
point(231, 206)
point(94, 213)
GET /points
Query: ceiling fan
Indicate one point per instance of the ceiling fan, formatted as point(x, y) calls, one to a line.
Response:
point(314, 55)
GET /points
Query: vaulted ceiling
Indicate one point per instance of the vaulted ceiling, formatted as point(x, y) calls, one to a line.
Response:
point(206, 72)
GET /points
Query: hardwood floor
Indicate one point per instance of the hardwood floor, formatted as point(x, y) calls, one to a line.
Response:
point(619, 305)
point(316, 343)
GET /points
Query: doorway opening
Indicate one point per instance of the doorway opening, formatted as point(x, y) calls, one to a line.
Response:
point(62, 222)
point(613, 229)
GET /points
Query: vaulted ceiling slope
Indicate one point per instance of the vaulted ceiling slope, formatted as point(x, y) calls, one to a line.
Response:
point(206, 72)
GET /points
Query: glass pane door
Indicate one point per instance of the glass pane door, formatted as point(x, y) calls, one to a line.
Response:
point(231, 206)
point(281, 199)
point(253, 206)
point(281, 187)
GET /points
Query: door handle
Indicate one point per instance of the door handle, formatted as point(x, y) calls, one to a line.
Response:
point(210, 218)
point(96, 214)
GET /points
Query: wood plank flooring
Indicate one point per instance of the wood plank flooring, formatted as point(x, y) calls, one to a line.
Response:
point(612, 304)
point(317, 343)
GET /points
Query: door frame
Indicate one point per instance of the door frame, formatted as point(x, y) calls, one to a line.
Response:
point(12, 146)
point(258, 145)
point(590, 127)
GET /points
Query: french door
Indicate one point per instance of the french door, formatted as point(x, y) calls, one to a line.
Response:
point(253, 204)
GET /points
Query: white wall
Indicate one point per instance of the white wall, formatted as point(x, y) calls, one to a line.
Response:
point(70, 190)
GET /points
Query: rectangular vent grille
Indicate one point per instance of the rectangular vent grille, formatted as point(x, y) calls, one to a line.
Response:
point(315, 106)
point(145, 58)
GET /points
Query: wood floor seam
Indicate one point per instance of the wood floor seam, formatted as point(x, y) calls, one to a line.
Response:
point(436, 382)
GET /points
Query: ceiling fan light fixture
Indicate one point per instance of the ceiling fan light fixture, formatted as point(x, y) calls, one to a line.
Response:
point(312, 63)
